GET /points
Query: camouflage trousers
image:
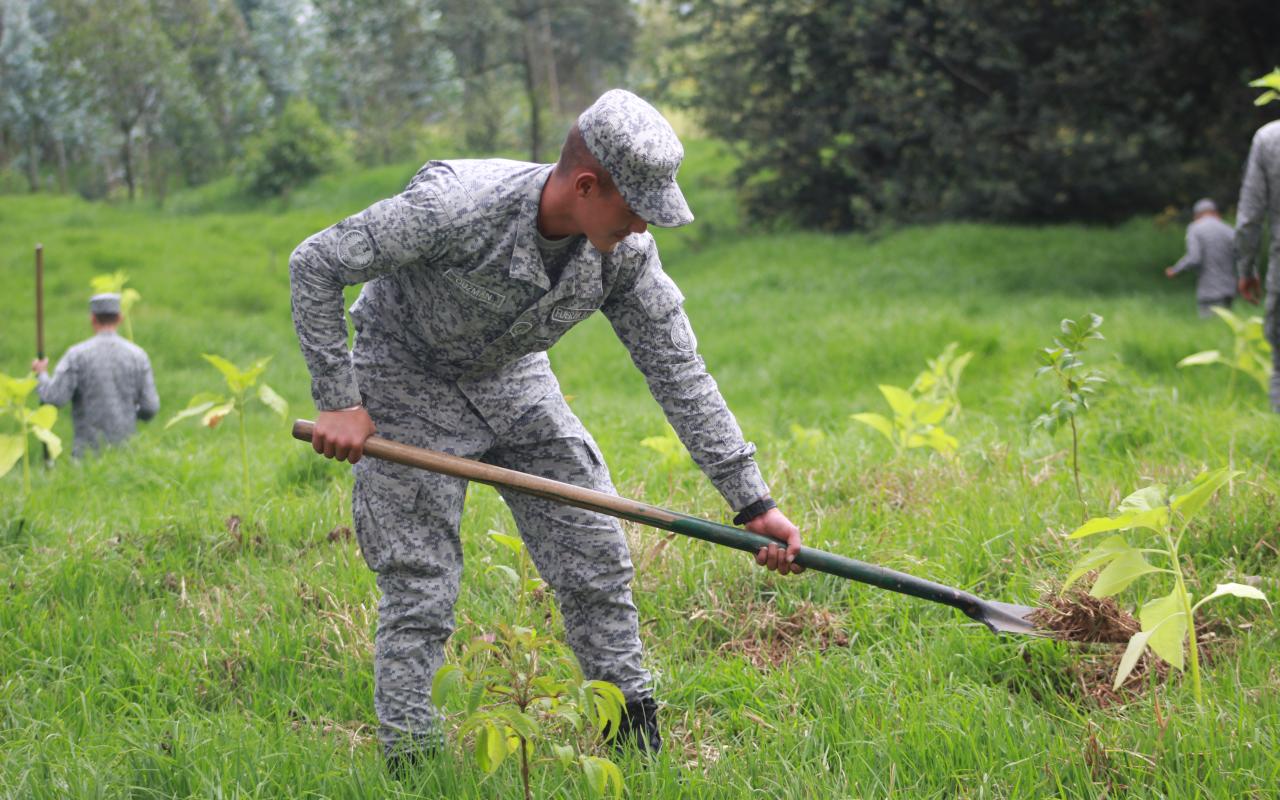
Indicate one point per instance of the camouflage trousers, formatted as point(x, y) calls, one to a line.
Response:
point(407, 524)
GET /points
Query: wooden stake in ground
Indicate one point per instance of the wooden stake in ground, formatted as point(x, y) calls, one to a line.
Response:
point(40, 320)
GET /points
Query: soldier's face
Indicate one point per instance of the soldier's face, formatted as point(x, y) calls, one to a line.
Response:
point(607, 219)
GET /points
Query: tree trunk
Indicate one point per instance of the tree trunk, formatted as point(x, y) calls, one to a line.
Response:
point(33, 161)
point(60, 151)
point(531, 90)
point(126, 157)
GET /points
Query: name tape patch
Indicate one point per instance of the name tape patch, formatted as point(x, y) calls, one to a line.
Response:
point(474, 291)
point(567, 314)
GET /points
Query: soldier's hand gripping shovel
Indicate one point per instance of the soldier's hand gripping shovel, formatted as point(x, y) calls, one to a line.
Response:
point(999, 617)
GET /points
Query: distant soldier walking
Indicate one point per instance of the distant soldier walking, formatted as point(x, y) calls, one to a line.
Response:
point(106, 378)
point(1259, 200)
point(1210, 249)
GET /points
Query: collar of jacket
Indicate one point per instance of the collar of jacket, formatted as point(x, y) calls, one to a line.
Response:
point(583, 270)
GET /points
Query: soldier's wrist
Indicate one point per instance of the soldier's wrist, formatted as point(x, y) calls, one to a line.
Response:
point(756, 509)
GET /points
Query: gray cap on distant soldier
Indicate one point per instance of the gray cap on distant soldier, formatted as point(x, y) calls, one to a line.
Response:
point(108, 303)
point(1202, 205)
point(641, 152)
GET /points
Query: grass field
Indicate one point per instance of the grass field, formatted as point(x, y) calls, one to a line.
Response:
point(147, 652)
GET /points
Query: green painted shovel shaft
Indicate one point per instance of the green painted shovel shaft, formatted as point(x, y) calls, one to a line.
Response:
point(999, 617)
point(830, 563)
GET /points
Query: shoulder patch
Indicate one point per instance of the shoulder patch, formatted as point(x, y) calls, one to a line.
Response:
point(355, 249)
point(682, 333)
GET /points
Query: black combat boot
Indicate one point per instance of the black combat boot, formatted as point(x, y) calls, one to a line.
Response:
point(410, 752)
point(639, 727)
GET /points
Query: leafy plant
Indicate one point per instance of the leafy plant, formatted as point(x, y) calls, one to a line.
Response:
point(38, 423)
point(1250, 351)
point(212, 408)
point(808, 438)
point(1270, 82)
point(512, 703)
point(1168, 622)
point(917, 422)
point(672, 452)
point(113, 283)
point(1075, 384)
point(941, 381)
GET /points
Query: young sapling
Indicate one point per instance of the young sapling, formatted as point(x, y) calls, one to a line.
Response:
point(1075, 385)
point(38, 423)
point(1167, 622)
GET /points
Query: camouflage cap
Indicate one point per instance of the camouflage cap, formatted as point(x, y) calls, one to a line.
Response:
point(108, 303)
point(641, 152)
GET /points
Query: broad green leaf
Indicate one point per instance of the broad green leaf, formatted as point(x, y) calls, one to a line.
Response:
point(564, 753)
point(1202, 358)
point(230, 372)
point(1235, 590)
point(109, 282)
point(189, 411)
point(215, 415)
point(1145, 499)
point(44, 417)
point(273, 401)
point(491, 748)
point(1266, 97)
point(200, 398)
point(608, 704)
point(17, 389)
point(447, 682)
point(1111, 548)
point(1191, 497)
point(255, 369)
point(1269, 81)
point(128, 298)
point(594, 774)
point(10, 453)
point(1157, 519)
point(1100, 525)
point(51, 441)
point(878, 422)
point(1121, 572)
point(943, 442)
point(931, 413)
point(1137, 643)
point(613, 776)
point(900, 400)
point(1166, 620)
point(506, 572)
point(523, 725)
point(512, 543)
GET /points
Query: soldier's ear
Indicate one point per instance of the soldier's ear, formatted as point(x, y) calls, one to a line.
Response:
point(586, 184)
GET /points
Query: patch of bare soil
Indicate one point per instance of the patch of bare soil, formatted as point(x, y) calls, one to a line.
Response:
point(769, 637)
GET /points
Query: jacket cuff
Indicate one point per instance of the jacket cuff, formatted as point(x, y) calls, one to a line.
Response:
point(743, 488)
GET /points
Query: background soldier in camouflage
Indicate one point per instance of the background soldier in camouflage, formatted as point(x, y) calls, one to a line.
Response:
point(470, 275)
point(1210, 249)
point(1260, 200)
point(107, 379)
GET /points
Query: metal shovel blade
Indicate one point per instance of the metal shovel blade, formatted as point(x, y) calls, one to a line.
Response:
point(1006, 617)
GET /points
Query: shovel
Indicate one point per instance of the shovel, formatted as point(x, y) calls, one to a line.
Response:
point(999, 617)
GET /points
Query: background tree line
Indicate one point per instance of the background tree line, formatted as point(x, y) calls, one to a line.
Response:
point(132, 96)
point(844, 113)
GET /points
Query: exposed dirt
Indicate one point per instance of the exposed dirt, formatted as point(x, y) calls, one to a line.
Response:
point(1080, 617)
point(773, 637)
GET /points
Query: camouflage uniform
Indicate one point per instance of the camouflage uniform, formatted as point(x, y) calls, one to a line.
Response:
point(1260, 200)
point(453, 324)
point(1210, 249)
point(107, 379)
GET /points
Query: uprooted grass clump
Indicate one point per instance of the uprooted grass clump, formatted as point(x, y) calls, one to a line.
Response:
point(1080, 617)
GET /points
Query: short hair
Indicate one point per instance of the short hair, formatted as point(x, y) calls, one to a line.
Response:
point(575, 155)
point(106, 319)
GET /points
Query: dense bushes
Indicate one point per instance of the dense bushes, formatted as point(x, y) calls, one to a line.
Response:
point(852, 111)
point(296, 147)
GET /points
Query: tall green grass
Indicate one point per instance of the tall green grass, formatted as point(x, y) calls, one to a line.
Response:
point(150, 648)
